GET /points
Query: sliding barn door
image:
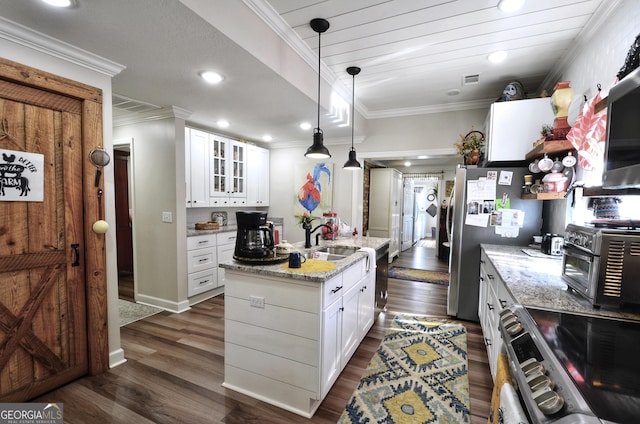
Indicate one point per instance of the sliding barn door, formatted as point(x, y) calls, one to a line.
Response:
point(43, 327)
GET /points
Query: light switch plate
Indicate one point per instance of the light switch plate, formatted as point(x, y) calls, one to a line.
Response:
point(167, 217)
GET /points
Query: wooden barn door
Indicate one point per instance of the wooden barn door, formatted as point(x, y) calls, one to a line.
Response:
point(43, 302)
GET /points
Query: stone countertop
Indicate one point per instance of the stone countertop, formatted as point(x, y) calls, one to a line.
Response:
point(191, 231)
point(537, 282)
point(276, 270)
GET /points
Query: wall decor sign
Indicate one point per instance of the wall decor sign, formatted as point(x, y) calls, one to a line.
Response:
point(21, 176)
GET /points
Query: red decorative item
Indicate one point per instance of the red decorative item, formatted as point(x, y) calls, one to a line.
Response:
point(331, 219)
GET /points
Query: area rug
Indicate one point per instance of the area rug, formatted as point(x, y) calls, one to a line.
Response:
point(131, 312)
point(419, 374)
point(421, 275)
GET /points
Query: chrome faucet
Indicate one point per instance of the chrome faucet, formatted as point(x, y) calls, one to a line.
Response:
point(309, 231)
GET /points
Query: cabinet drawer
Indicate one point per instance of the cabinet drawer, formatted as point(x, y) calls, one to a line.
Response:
point(332, 290)
point(228, 237)
point(353, 274)
point(198, 242)
point(201, 259)
point(202, 281)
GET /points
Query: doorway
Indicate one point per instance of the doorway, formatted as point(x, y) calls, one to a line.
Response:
point(123, 191)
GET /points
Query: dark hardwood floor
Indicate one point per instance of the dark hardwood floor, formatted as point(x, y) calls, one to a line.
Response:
point(175, 366)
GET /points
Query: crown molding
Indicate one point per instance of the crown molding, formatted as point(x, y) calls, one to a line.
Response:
point(425, 110)
point(27, 37)
point(152, 115)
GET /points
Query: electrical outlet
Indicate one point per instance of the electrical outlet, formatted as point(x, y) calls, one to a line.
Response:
point(256, 302)
point(167, 217)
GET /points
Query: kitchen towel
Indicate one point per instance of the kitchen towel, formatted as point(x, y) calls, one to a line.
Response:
point(510, 408)
point(502, 377)
point(372, 257)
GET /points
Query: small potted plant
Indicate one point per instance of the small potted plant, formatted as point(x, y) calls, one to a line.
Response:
point(305, 220)
point(471, 147)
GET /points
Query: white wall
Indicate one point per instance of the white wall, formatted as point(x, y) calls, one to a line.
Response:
point(158, 156)
point(347, 188)
point(34, 50)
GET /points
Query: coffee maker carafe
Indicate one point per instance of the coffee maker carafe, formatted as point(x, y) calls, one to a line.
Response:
point(255, 235)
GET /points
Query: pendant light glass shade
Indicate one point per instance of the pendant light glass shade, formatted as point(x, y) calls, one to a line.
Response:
point(317, 149)
point(352, 164)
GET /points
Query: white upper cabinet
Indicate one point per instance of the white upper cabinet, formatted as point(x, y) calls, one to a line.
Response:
point(197, 168)
point(257, 176)
point(227, 172)
point(512, 127)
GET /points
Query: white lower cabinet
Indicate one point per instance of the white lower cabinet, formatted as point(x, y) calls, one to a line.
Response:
point(202, 264)
point(225, 247)
point(494, 297)
point(286, 340)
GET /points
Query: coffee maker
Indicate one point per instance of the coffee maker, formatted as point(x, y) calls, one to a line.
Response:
point(255, 235)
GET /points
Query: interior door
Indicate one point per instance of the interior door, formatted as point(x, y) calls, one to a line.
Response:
point(407, 215)
point(43, 335)
point(124, 236)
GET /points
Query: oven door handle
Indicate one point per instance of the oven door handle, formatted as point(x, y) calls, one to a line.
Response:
point(572, 251)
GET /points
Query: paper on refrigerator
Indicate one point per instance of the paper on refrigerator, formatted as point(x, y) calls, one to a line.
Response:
point(481, 195)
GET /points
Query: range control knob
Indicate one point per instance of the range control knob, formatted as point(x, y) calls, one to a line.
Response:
point(513, 328)
point(549, 402)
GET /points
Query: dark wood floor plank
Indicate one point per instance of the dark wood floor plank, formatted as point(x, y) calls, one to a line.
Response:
point(175, 365)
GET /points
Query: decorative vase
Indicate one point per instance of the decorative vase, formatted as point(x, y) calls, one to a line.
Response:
point(560, 101)
point(472, 158)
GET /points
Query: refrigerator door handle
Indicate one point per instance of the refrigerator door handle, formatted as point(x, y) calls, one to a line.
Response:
point(448, 219)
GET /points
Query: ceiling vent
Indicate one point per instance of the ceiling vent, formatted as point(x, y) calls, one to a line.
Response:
point(130, 105)
point(470, 79)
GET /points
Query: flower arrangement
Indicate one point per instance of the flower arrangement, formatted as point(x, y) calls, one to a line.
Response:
point(474, 140)
point(305, 219)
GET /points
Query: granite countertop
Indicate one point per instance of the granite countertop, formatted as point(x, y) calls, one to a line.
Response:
point(191, 231)
point(537, 282)
point(276, 270)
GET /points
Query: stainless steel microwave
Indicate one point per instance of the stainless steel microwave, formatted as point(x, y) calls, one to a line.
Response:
point(622, 147)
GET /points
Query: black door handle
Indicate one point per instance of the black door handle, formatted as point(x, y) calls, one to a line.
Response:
point(76, 250)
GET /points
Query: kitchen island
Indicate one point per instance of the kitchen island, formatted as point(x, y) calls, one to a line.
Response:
point(289, 333)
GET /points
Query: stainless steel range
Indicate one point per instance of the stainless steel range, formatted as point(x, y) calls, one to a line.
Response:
point(573, 368)
point(602, 261)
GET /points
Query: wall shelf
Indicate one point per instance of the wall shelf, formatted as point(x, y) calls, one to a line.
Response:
point(602, 192)
point(550, 147)
point(544, 196)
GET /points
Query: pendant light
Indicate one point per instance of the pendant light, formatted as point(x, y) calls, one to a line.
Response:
point(317, 149)
point(352, 164)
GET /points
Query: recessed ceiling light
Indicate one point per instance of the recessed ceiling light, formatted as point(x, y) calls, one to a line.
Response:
point(222, 123)
point(59, 3)
point(267, 137)
point(497, 57)
point(407, 164)
point(211, 77)
point(453, 92)
point(423, 157)
point(509, 6)
point(305, 126)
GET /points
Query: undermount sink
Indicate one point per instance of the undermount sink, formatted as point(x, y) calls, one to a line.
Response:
point(339, 250)
point(331, 257)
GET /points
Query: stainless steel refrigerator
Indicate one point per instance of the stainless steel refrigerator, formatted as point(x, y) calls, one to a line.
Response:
point(485, 207)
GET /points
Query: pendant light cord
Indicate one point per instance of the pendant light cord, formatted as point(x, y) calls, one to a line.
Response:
point(319, 73)
point(353, 102)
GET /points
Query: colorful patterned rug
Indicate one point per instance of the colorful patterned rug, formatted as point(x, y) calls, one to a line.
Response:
point(419, 374)
point(421, 275)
